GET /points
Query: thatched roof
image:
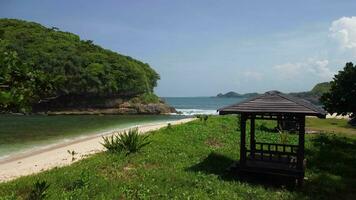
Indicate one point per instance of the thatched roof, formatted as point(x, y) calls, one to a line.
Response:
point(274, 102)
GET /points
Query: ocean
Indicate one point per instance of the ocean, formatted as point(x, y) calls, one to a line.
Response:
point(200, 105)
point(20, 133)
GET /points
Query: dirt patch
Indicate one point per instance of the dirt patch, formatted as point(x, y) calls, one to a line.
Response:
point(213, 142)
point(129, 167)
point(150, 166)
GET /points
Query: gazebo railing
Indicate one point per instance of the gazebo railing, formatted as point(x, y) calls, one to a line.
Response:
point(272, 152)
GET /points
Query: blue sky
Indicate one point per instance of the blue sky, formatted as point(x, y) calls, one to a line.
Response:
point(201, 48)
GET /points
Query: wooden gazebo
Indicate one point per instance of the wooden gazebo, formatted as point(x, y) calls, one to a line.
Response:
point(273, 158)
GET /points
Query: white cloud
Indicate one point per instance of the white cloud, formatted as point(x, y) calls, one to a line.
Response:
point(252, 75)
point(343, 30)
point(313, 67)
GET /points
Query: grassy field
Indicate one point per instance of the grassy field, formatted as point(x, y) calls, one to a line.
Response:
point(339, 126)
point(189, 162)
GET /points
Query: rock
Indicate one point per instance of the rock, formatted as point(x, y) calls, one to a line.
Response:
point(124, 108)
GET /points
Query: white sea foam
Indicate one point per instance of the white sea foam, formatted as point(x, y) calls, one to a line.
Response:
point(197, 112)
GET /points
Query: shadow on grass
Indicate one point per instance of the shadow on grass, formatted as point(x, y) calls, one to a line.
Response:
point(331, 170)
point(213, 164)
point(332, 167)
point(227, 169)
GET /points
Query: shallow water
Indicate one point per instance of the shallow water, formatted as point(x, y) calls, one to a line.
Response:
point(21, 133)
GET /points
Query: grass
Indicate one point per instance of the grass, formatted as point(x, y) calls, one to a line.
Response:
point(339, 126)
point(189, 162)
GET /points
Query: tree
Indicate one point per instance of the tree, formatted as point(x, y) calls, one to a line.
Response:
point(341, 98)
point(20, 85)
point(39, 64)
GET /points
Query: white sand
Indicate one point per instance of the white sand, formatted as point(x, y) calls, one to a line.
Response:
point(57, 155)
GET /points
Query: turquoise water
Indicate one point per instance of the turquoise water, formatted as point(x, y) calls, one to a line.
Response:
point(20, 133)
point(200, 105)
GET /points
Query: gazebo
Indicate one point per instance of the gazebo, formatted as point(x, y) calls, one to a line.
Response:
point(273, 158)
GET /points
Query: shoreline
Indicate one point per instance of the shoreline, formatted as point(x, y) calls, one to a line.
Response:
point(48, 157)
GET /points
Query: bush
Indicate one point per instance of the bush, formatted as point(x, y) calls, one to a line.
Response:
point(38, 191)
point(129, 142)
point(202, 117)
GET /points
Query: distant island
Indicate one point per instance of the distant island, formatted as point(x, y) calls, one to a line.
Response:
point(235, 95)
point(45, 70)
point(313, 95)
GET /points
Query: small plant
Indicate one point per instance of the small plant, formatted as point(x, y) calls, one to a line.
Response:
point(38, 191)
point(283, 136)
point(200, 117)
point(81, 182)
point(72, 153)
point(128, 142)
point(205, 118)
point(169, 126)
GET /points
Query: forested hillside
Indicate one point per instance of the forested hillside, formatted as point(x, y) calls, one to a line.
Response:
point(40, 64)
point(313, 95)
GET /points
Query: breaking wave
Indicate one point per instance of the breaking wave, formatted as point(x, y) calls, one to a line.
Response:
point(196, 112)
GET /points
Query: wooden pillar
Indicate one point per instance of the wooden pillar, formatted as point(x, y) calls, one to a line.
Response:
point(252, 136)
point(301, 141)
point(243, 140)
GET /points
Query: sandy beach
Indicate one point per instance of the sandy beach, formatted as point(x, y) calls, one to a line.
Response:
point(57, 155)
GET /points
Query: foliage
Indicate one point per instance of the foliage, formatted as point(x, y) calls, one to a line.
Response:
point(146, 98)
point(342, 95)
point(169, 126)
point(179, 164)
point(283, 136)
point(79, 183)
point(203, 118)
point(72, 153)
point(38, 64)
point(39, 191)
point(20, 85)
point(129, 142)
point(321, 88)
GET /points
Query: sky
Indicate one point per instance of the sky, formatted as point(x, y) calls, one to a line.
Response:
point(204, 47)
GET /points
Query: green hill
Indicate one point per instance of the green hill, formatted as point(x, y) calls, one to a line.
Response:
point(40, 64)
point(313, 95)
point(321, 88)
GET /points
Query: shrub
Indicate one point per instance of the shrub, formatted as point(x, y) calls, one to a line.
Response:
point(202, 117)
point(169, 126)
point(38, 191)
point(128, 142)
point(205, 118)
point(283, 136)
point(199, 117)
point(72, 153)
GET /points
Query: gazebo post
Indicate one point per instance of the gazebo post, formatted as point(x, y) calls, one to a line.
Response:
point(243, 140)
point(252, 136)
point(300, 158)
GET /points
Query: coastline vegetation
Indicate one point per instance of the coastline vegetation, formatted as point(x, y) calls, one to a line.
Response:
point(127, 142)
point(341, 97)
point(189, 161)
point(40, 65)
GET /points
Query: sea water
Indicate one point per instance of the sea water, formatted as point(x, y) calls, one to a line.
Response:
point(23, 133)
point(200, 105)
